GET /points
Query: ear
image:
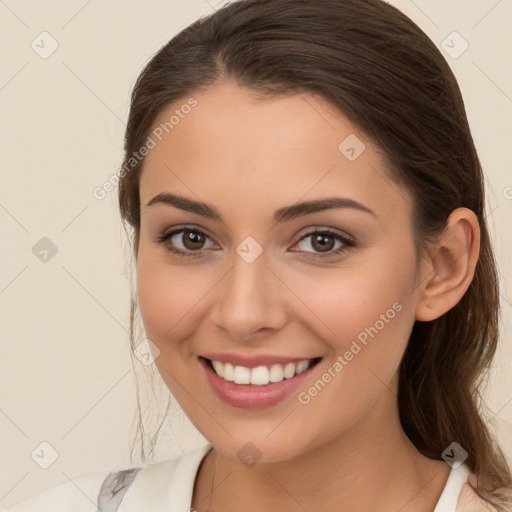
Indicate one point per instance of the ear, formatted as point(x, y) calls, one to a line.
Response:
point(451, 266)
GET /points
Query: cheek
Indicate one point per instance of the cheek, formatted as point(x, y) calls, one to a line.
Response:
point(169, 298)
point(370, 313)
point(370, 304)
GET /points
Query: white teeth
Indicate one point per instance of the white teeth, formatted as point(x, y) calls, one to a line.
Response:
point(219, 368)
point(289, 371)
point(228, 372)
point(303, 365)
point(242, 375)
point(276, 373)
point(261, 375)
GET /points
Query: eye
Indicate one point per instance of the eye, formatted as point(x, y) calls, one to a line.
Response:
point(322, 243)
point(192, 242)
point(185, 241)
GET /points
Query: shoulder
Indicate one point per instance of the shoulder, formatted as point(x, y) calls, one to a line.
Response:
point(469, 501)
point(85, 493)
point(78, 494)
point(165, 485)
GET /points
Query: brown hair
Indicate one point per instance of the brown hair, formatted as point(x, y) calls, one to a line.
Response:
point(382, 71)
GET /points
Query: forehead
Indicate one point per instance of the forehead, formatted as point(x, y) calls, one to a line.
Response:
point(274, 151)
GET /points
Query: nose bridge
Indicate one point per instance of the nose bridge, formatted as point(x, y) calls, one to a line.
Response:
point(251, 298)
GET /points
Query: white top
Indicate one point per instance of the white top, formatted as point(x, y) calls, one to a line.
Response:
point(167, 487)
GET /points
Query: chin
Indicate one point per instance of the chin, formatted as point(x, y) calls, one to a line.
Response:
point(258, 447)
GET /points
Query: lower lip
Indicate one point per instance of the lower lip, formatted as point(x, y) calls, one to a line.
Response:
point(251, 396)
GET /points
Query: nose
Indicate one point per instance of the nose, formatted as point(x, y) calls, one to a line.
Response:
point(251, 302)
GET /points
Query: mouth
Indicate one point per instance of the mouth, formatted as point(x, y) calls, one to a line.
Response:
point(256, 382)
point(259, 376)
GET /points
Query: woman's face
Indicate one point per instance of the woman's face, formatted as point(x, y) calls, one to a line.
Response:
point(262, 285)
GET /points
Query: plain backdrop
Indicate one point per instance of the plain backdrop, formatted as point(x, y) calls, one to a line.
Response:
point(65, 371)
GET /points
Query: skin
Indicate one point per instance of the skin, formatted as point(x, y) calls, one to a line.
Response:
point(247, 158)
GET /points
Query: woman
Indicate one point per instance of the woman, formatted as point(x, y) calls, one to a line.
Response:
point(314, 271)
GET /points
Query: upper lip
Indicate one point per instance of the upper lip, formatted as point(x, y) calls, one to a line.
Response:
point(253, 361)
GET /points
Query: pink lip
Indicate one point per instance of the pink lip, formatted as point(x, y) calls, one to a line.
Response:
point(253, 361)
point(250, 396)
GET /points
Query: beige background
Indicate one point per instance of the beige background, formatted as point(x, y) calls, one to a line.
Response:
point(65, 371)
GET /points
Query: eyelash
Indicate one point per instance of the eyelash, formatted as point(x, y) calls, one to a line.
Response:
point(348, 243)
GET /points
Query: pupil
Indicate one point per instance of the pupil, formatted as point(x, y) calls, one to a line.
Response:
point(193, 240)
point(326, 242)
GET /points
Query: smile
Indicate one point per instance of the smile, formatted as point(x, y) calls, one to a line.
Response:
point(263, 383)
point(261, 375)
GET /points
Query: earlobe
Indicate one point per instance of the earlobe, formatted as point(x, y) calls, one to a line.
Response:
point(452, 266)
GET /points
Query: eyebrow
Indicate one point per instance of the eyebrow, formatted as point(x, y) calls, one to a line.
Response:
point(284, 214)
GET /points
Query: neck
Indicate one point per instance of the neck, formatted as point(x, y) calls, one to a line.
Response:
point(372, 466)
